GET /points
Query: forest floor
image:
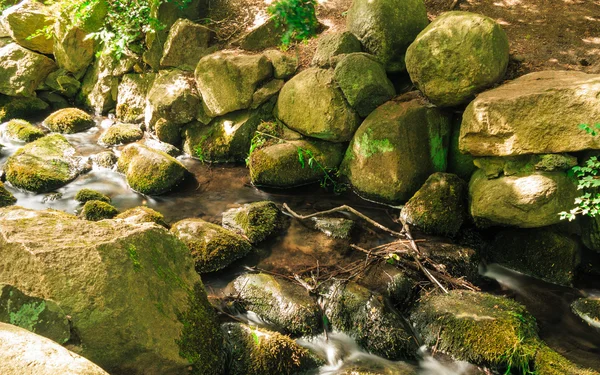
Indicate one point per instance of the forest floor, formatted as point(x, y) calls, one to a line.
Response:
point(543, 34)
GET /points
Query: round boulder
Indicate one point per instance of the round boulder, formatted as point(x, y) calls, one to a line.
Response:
point(121, 134)
point(22, 130)
point(69, 120)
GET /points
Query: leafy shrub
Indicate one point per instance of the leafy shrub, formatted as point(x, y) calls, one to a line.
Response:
point(298, 17)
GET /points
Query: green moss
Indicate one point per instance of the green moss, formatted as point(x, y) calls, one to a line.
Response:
point(6, 197)
point(549, 362)
point(85, 195)
point(256, 220)
point(23, 131)
point(368, 147)
point(69, 120)
point(588, 309)
point(134, 257)
point(11, 107)
point(28, 315)
point(143, 214)
point(121, 134)
point(97, 210)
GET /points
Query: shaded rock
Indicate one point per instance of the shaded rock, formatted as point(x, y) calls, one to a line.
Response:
point(255, 221)
point(161, 146)
point(22, 71)
point(22, 130)
point(69, 120)
point(62, 83)
point(363, 82)
point(383, 161)
point(105, 159)
point(11, 107)
point(458, 163)
point(365, 316)
point(25, 353)
point(168, 132)
point(149, 171)
point(588, 309)
point(334, 227)
point(523, 200)
point(186, 43)
point(457, 260)
point(253, 351)
point(284, 64)
point(278, 166)
point(538, 113)
point(36, 315)
point(266, 92)
point(25, 19)
point(173, 96)
point(120, 134)
point(55, 100)
point(146, 306)
point(541, 253)
point(285, 305)
point(85, 195)
point(6, 197)
point(330, 117)
point(142, 214)
point(391, 282)
point(97, 210)
point(267, 35)
point(212, 247)
point(439, 206)
point(549, 362)
point(457, 56)
point(334, 44)
point(131, 97)
point(513, 165)
point(227, 80)
point(44, 165)
point(387, 27)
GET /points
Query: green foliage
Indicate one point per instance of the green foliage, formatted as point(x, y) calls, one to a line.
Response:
point(587, 180)
point(298, 17)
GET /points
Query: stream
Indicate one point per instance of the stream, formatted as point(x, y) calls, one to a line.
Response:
point(217, 188)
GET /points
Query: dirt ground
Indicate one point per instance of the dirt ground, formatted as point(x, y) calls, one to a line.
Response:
point(544, 34)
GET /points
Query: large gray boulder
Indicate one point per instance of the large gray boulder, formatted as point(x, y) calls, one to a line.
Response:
point(456, 56)
point(25, 353)
point(395, 150)
point(174, 97)
point(26, 19)
point(130, 290)
point(186, 44)
point(330, 117)
point(227, 80)
point(22, 71)
point(131, 97)
point(387, 27)
point(538, 113)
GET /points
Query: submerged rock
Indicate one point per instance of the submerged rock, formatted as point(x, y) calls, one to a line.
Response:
point(22, 71)
point(85, 195)
point(22, 130)
point(146, 306)
point(105, 159)
point(387, 27)
point(94, 210)
point(26, 19)
point(119, 134)
point(186, 44)
point(212, 247)
point(256, 221)
point(25, 353)
point(23, 108)
point(149, 171)
point(44, 165)
point(69, 120)
point(334, 226)
point(6, 197)
point(285, 305)
point(142, 214)
point(458, 55)
point(334, 44)
point(131, 97)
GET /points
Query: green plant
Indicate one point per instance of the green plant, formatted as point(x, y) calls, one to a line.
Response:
point(298, 17)
point(588, 179)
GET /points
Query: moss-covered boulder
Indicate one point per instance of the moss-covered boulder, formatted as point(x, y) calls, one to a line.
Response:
point(227, 80)
point(105, 159)
point(364, 82)
point(94, 210)
point(174, 97)
point(26, 19)
point(330, 117)
point(212, 246)
point(534, 114)
point(25, 353)
point(387, 27)
point(186, 44)
point(549, 362)
point(142, 214)
point(169, 132)
point(120, 134)
point(588, 309)
point(22, 70)
point(131, 97)
point(284, 64)
point(22, 130)
point(69, 120)
point(526, 200)
point(146, 310)
point(149, 171)
point(457, 56)
point(277, 165)
point(255, 221)
point(478, 328)
point(334, 44)
point(34, 314)
point(23, 108)
point(384, 162)
point(85, 195)
point(439, 206)
point(44, 165)
point(253, 351)
point(6, 197)
point(284, 304)
point(366, 317)
point(541, 253)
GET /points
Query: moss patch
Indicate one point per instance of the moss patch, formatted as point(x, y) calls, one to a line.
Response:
point(6, 197)
point(11, 107)
point(85, 195)
point(97, 210)
point(23, 131)
point(143, 214)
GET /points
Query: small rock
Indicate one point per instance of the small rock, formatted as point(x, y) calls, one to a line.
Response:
point(85, 195)
point(69, 120)
point(131, 97)
point(334, 44)
point(588, 309)
point(6, 197)
point(120, 134)
point(174, 97)
point(142, 214)
point(97, 210)
point(334, 227)
point(168, 132)
point(162, 146)
point(23, 131)
point(256, 221)
point(266, 92)
point(105, 159)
